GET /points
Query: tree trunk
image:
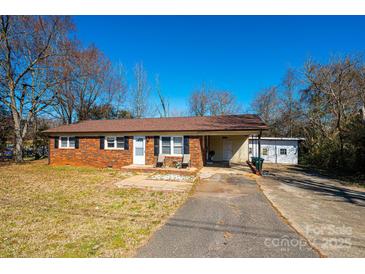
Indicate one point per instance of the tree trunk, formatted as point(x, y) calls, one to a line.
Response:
point(69, 119)
point(18, 137)
point(342, 156)
point(35, 143)
point(18, 147)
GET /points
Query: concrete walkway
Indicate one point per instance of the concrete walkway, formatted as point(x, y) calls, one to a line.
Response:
point(227, 216)
point(143, 182)
point(330, 215)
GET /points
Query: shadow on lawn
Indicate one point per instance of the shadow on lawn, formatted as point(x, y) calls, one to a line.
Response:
point(341, 178)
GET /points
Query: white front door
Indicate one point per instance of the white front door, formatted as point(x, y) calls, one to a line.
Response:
point(139, 150)
point(227, 150)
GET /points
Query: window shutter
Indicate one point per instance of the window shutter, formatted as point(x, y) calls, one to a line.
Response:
point(186, 145)
point(156, 146)
point(102, 142)
point(126, 142)
point(76, 142)
point(56, 138)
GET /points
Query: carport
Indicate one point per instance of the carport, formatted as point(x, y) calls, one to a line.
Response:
point(229, 147)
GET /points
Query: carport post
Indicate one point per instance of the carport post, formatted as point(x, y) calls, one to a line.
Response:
point(259, 145)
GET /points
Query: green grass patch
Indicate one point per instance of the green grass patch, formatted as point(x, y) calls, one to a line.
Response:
point(69, 211)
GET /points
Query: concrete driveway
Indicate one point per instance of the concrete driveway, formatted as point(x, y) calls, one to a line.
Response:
point(228, 216)
point(329, 213)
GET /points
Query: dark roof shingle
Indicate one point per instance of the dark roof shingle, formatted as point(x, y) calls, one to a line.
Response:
point(206, 123)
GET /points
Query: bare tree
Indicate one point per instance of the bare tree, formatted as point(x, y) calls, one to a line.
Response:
point(92, 83)
point(207, 101)
point(140, 92)
point(65, 100)
point(163, 108)
point(289, 108)
point(323, 104)
point(333, 98)
point(266, 104)
point(30, 47)
point(89, 80)
point(199, 102)
point(222, 103)
point(360, 80)
point(6, 126)
point(279, 107)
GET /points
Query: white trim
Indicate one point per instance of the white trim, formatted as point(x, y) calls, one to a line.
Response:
point(158, 133)
point(115, 143)
point(141, 159)
point(68, 142)
point(278, 138)
point(172, 145)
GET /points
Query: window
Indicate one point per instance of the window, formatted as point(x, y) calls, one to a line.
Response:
point(71, 141)
point(114, 142)
point(283, 151)
point(264, 151)
point(139, 146)
point(64, 142)
point(178, 141)
point(120, 142)
point(171, 145)
point(250, 150)
point(67, 142)
point(166, 145)
point(110, 141)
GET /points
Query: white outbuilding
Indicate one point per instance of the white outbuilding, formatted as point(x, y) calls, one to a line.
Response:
point(276, 150)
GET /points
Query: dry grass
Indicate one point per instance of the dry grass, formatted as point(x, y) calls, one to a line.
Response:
point(75, 212)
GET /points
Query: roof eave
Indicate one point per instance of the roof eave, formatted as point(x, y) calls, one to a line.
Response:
point(48, 132)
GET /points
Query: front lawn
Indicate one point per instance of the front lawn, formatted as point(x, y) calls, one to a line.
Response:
point(75, 212)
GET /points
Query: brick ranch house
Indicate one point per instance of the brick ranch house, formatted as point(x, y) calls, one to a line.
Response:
point(119, 143)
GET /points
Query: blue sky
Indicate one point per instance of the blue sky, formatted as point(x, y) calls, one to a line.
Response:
point(242, 54)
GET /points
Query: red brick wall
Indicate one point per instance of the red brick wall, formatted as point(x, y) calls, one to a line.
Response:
point(170, 161)
point(90, 154)
point(196, 151)
point(150, 158)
